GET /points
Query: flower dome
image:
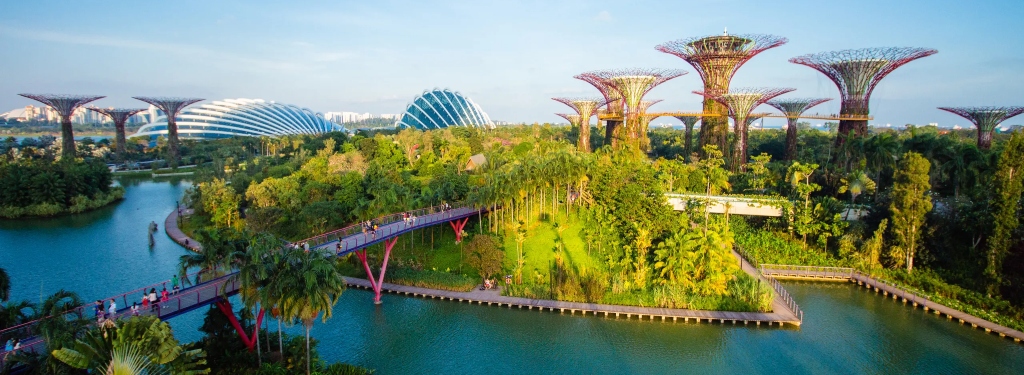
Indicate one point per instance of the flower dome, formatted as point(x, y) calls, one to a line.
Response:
point(241, 117)
point(437, 109)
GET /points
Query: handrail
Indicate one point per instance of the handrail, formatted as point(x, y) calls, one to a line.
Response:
point(782, 292)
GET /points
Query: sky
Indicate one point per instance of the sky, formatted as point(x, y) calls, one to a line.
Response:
point(510, 57)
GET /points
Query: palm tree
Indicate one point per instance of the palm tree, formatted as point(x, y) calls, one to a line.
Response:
point(140, 345)
point(311, 287)
point(256, 265)
point(214, 260)
point(883, 149)
point(856, 182)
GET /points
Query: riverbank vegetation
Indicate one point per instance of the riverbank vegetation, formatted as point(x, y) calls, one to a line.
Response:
point(41, 185)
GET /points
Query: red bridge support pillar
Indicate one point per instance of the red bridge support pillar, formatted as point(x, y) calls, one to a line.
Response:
point(376, 283)
point(225, 307)
point(457, 225)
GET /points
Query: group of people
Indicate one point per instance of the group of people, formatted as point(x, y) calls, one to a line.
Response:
point(370, 226)
point(150, 301)
point(409, 219)
point(12, 346)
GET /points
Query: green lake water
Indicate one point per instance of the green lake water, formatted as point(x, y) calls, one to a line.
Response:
point(846, 329)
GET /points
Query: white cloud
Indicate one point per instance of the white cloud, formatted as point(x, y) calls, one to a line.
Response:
point(603, 16)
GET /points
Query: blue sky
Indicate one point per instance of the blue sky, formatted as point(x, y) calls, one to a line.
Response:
point(509, 56)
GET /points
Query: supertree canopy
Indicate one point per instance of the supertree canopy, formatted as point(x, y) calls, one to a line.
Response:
point(613, 101)
point(986, 119)
point(793, 108)
point(119, 116)
point(585, 108)
point(740, 103)
point(856, 72)
point(717, 58)
point(65, 106)
point(632, 85)
point(171, 106)
point(689, 122)
point(574, 120)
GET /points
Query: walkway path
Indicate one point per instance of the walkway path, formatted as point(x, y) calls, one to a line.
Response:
point(172, 230)
point(852, 275)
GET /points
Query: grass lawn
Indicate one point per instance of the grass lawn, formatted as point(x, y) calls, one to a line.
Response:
point(539, 249)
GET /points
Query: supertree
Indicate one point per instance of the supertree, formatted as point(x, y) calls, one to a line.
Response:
point(856, 72)
point(986, 119)
point(574, 120)
point(792, 109)
point(689, 122)
point(585, 107)
point(717, 58)
point(119, 116)
point(644, 119)
point(612, 101)
point(65, 105)
point(632, 85)
point(740, 103)
point(171, 106)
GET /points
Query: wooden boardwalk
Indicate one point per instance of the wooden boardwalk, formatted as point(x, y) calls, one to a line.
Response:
point(888, 290)
point(494, 298)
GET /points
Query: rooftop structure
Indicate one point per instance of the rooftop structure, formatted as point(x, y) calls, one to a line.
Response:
point(856, 72)
point(585, 108)
point(741, 103)
point(240, 117)
point(632, 85)
point(792, 109)
point(119, 116)
point(171, 106)
point(717, 58)
point(986, 119)
point(438, 109)
point(65, 105)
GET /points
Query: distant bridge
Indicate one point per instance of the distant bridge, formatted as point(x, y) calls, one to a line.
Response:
point(719, 204)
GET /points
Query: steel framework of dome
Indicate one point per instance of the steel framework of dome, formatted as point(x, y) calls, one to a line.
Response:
point(241, 117)
point(438, 109)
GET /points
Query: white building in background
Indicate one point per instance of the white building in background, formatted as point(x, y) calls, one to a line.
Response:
point(240, 117)
point(346, 117)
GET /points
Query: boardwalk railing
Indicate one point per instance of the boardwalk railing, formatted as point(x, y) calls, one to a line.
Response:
point(767, 278)
point(339, 234)
point(808, 271)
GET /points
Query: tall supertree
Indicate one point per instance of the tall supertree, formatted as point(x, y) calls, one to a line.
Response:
point(793, 108)
point(585, 107)
point(612, 102)
point(632, 85)
point(574, 120)
point(119, 116)
point(171, 106)
point(644, 120)
point(740, 103)
point(986, 119)
point(65, 106)
point(717, 58)
point(856, 72)
point(689, 122)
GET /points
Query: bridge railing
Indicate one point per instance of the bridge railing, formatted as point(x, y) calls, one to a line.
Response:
point(766, 277)
point(819, 271)
point(382, 221)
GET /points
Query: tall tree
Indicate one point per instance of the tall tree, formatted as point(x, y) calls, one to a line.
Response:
point(1009, 183)
point(312, 287)
point(910, 203)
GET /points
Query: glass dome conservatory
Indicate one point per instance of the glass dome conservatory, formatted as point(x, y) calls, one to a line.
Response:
point(437, 109)
point(241, 117)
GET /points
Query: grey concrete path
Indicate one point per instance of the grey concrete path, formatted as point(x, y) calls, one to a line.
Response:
point(179, 237)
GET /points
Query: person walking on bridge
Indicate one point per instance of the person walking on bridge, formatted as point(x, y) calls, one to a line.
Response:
point(174, 284)
point(99, 309)
point(153, 306)
point(112, 311)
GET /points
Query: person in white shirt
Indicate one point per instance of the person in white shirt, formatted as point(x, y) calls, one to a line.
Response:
point(112, 310)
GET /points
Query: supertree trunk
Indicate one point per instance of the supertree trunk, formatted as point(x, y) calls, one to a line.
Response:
point(611, 132)
point(985, 138)
point(121, 149)
point(851, 128)
point(67, 135)
point(584, 142)
point(172, 142)
point(688, 142)
point(791, 129)
point(738, 160)
point(714, 130)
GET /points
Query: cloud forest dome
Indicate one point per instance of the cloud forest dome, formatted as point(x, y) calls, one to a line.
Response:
point(241, 117)
point(437, 109)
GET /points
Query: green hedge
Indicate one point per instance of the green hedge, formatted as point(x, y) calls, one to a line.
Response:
point(79, 204)
point(430, 279)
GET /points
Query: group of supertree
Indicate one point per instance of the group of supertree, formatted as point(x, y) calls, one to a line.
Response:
point(716, 59)
point(66, 105)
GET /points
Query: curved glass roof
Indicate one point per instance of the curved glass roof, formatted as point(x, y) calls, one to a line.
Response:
point(436, 109)
point(241, 117)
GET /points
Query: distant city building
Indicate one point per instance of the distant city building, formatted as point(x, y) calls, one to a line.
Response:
point(239, 117)
point(46, 114)
point(438, 109)
point(347, 117)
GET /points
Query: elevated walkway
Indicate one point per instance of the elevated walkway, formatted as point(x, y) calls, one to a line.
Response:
point(719, 204)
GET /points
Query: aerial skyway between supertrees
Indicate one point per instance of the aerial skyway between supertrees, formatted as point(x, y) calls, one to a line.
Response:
point(632, 85)
point(856, 72)
point(740, 103)
point(612, 104)
point(119, 116)
point(717, 58)
point(792, 108)
point(585, 108)
point(689, 122)
point(986, 119)
point(65, 106)
point(171, 106)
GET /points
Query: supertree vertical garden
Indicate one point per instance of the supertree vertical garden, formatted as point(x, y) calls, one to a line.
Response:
point(717, 58)
point(171, 106)
point(644, 120)
point(792, 108)
point(632, 85)
point(986, 119)
point(613, 101)
point(856, 72)
point(585, 107)
point(119, 116)
point(574, 120)
point(740, 103)
point(689, 122)
point(65, 106)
